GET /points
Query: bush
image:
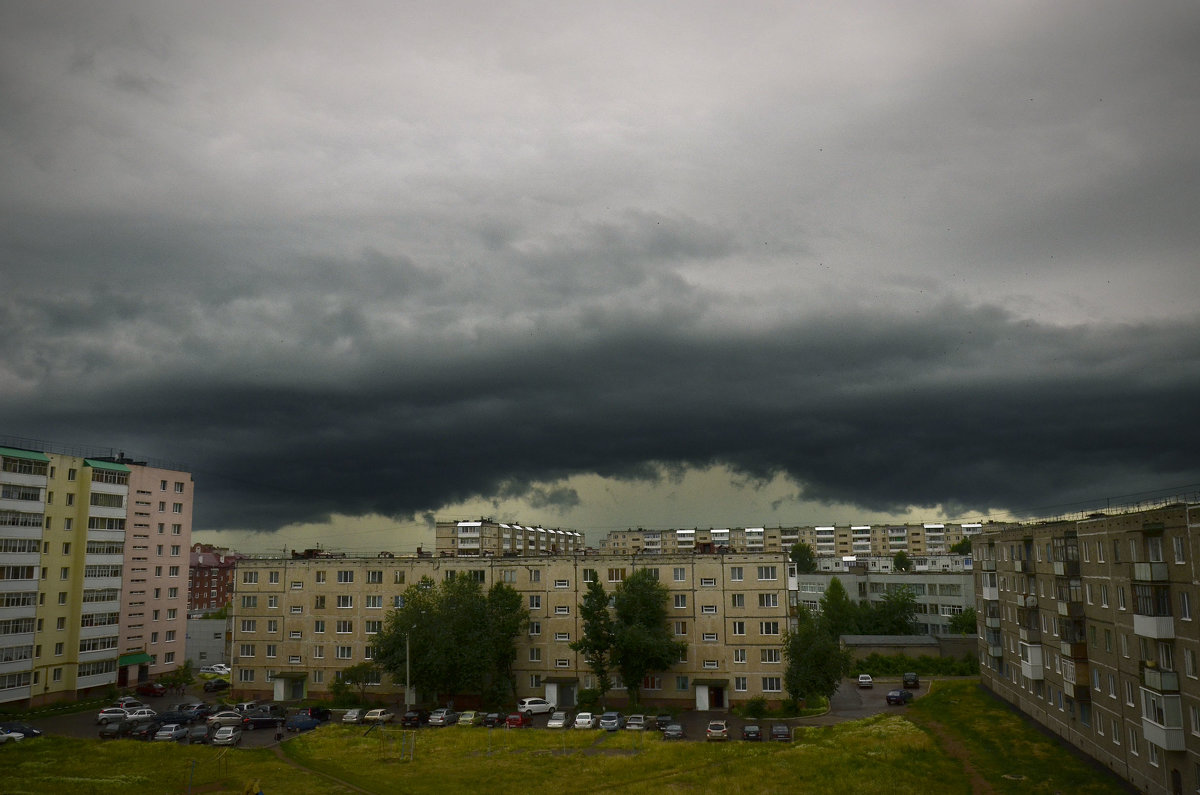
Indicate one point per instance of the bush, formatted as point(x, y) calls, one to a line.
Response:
point(897, 664)
point(589, 699)
point(757, 708)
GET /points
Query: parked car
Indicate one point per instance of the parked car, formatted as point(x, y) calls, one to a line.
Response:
point(586, 720)
point(781, 733)
point(245, 706)
point(611, 721)
point(109, 714)
point(129, 702)
point(320, 713)
point(493, 720)
point(111, 730)
point(151, 689)
point(226, 717)
point(140, 714)
point(673, 731)
point(353, 716)
point(661, 722)
point(518, 720)
point(175, 716)
point(865, 680)
point(635, 723)
point(910, 680)
point(899, 697)
point(198, 711)
point(262, 720)
point(751, 732)
point(227, 735)
point(558, 720)
point(443, 717)
point(413, 719)
point(379, 716)
point(221, 669)
point(13, 737)
point(470, 718)
point(170, 731)
point(717, 730)
point(302, 723)
point(21, 728)
point(535, 706)
point(199, 733)
point(216, 685)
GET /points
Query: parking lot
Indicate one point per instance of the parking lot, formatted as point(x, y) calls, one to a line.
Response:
point(849, 703)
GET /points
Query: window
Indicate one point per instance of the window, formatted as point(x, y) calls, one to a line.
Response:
point(535, 628)
point(616, 575)
point(589, 575)
point(681, 682)
point(345, 652)
point(562, 583)
point(535, 654)
point(319, 652)
point(770, 655)
point(247, 650)
point(345, 601)
point(535, 575)
point(176, 529)
point(562, 610)
point(680, 627)
point(344, 627)
point(710, 664)
point(1189, 662)
point(375, 577)
point(680, 574)
point(680, 600)
point(319, 602)
point(245, 674)
point(767, 573)
point(319, 625)
point(709, 610)
point(272, 625)
point(772, 684)
point(535, 681)
point(272, 650)
point(295, 634)
point(320, 577)
point(708, 582)
point(739, 683)
point(177, 507)
point(735, 573)
point(535, 601)
point(562, 637)
point(768, 600)
point(373, 627)
point(1180, 545)
point(248, 577)
point(1185, 606)
point(739, 655)
point(768, 627)
point(249, 625)
point(709, 637)
point(273, 601)
point(563, 662)
point(294, 659)
point(345, 576)
point(375, 602)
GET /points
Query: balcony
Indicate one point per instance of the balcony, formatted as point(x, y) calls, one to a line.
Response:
point(1032, 666)
point(995, 650)
point(1076, 672)
point(1066, 568)
point(986, 565)
point(991, 622)
point(1150, 572)
point(990, 593)
point(1168, 738)
point(1030, 634)
point(1074, 651)
point(1158, 627)
point(1160, 680)
point(1070, 609)
point(1022, 566)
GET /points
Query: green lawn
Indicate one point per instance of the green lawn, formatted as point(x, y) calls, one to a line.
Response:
point(919, 749)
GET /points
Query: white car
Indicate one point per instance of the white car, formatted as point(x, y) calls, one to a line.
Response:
point(378, 716)
point(16, 737)
point(221, 669)
point(111, 714)
point(227, 735)
point(865, 680)
point(558, 720)
point(171, 731)
point(144, 713)
point(586, 720)
point(534, 706)
point(353, 716)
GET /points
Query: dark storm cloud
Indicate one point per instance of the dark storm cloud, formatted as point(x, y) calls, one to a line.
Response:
point(367, 260)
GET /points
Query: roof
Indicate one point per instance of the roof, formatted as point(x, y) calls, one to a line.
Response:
point(96, 464)
point(889, 640)
point(12, 452)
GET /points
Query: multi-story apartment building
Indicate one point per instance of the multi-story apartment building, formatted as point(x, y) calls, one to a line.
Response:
point(942, 586)
point(63, 529)
point(1088, 627)
point(826, 540)
point(297, 621)
point(210, 577)
point(484, 537)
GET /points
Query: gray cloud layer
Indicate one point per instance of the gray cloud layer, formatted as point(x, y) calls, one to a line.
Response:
point(382, 259)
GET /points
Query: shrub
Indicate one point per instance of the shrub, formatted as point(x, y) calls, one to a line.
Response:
point(589, 699)
point(757, 707)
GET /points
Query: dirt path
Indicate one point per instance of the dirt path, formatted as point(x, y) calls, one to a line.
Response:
point(979, 785)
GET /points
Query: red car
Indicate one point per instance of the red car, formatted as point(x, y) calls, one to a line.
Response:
point(151, 689)
point(518, 720)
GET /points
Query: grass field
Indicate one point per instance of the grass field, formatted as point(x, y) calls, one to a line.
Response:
point(954, 740)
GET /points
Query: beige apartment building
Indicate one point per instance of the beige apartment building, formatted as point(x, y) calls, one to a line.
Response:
point(1089, 628)
point(64, 521)
point(928, 538)
point(486, 537)
point(297, 622)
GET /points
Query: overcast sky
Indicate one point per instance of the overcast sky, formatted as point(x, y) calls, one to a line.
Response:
point(598, 265)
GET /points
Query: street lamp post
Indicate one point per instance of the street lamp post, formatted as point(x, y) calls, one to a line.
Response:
point(407, 665)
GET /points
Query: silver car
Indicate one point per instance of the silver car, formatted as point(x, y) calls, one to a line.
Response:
point(227, 735)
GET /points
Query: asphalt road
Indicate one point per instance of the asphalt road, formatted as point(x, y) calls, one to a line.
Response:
point(849, 703)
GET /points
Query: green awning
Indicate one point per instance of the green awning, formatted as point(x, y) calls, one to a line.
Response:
point(297, 675)
point(12, 452)
point(137, 658)
point(94, 464)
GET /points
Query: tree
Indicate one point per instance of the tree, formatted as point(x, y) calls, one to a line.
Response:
point(507, 619)
point(965, 623)
point(361, 675)
point(901, 561)
point(805, 559)
point(962, 547)
point(816, 661)
point(894, 614)
point(598, 636)
point(839, 616)
point(642, 642)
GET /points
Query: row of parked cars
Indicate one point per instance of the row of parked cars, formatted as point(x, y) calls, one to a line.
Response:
point(199, 722)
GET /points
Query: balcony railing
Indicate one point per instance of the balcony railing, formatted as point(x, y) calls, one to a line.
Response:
point(1075, 651)
point(1070, 609)
point(1158, 627)
point(986, 565)
point(995, 650)
point(1031, 634)
point(1151, 572)
point(1066, 568)
point(1161, 680)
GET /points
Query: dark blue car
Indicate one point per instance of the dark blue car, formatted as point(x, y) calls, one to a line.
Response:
point(302, 723)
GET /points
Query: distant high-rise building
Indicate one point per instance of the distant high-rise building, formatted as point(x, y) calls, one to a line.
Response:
point(210, 578)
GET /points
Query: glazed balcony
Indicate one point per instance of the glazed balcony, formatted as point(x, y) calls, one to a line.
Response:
point(986, 565)
point(1030, 634)
point(1074, 651)
point(1066, 568)
point(1157, 627)
point(1070, 609)
point(1160, 680)
point(1150, 572)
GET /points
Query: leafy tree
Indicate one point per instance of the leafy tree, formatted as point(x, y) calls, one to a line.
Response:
point(962, 547)
point(839, 616)
point(598, 637)
point(642, 643)
point(901, 561)
point(507, 619)
point(894, 614)
point(965, 623)
point(816, 661)
point(805, 559)
point(361, 675)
